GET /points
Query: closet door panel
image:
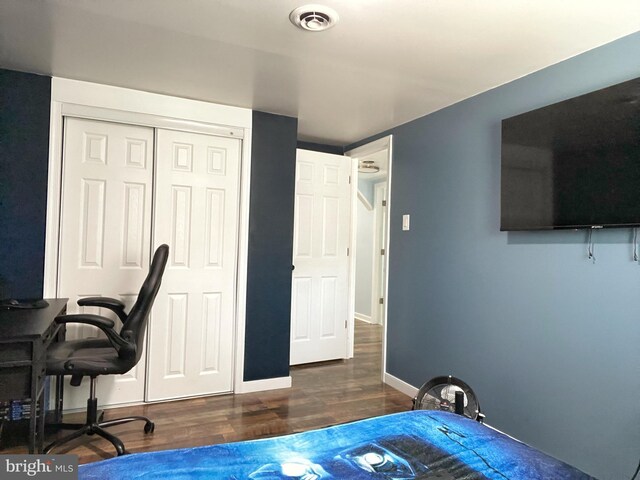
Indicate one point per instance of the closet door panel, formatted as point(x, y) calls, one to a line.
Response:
point(196, 214)
point(105, 233)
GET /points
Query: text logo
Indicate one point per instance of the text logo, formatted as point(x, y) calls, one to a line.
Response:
point(50, 467)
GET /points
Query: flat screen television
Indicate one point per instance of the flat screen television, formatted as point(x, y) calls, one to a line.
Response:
point(574, 164)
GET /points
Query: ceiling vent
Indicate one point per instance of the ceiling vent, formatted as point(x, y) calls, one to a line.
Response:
point(314, 18)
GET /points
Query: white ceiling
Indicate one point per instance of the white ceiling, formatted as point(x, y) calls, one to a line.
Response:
point(386, 62)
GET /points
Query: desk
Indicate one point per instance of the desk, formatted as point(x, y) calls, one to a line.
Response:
point(25, 335)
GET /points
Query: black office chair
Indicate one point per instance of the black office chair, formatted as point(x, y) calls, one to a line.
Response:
point(117, 354)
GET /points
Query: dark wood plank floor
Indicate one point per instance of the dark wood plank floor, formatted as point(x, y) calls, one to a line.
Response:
point(321, 395)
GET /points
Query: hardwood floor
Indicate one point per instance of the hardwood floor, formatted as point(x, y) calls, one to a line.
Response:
point(322, 394)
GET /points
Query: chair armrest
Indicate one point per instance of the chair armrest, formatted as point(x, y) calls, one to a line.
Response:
point(113, 304)
point(88, 319)
point(122, 346)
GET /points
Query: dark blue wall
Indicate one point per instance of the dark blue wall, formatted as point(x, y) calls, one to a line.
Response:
point(24, 137)
point(24, 147)
point(273, 163)
point(549, 341)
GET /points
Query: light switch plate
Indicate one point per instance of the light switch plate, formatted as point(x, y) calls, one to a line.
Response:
point(405, 221)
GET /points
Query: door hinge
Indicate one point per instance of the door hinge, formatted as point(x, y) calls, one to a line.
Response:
point(345, 324)
point(382, 251)
point(349, 179)
point(347, 251)
point(381, 301)
point(384, 203)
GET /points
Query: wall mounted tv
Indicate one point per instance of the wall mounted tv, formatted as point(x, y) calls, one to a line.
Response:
point(574, 164)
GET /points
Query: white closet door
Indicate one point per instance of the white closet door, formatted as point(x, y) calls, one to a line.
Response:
point(196, 214)
point(320, 291)
point(105, 233)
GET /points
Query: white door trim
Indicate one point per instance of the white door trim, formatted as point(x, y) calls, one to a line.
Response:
point(138, 107)
point(384, 143)
point(353, 252)
point(379, 189)
point(148, 120)
point(243, 256)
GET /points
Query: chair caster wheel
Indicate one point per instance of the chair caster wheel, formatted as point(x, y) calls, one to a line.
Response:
point(149, 427)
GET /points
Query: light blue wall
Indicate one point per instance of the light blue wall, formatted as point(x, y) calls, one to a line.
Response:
point(364, 259)
point(366, 188)
point(549, 341)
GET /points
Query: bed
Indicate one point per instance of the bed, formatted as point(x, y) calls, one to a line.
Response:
point(411, 445)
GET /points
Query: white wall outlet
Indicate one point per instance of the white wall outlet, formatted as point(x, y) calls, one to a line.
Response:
point(405, 221)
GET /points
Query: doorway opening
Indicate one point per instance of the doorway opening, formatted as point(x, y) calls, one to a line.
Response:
point(340, 252)
point(370, 232)
point(371, 166)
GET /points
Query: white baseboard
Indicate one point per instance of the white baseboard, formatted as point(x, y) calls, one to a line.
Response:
point(244, 387)
point(262, 385)
point(362, 317)
point(400, 385)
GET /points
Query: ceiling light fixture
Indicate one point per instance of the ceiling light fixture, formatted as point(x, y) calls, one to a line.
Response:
point(314, 18)
point(367, 166)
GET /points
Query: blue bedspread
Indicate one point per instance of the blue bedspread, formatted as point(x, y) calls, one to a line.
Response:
point(412, 445)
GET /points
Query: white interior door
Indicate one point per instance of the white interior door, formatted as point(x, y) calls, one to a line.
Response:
point(319, 300)
point(196, 214)
point(105, 233)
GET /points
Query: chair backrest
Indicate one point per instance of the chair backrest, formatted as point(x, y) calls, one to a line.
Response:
point(134, 327)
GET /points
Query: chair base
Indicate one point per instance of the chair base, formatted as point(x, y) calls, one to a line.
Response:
point(95, 426)
point(98, 429)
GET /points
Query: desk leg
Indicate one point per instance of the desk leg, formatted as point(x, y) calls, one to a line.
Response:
point(62, 333)
point(33, 414)
point(42, 416)
point(32, 430)
point(59, 398)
